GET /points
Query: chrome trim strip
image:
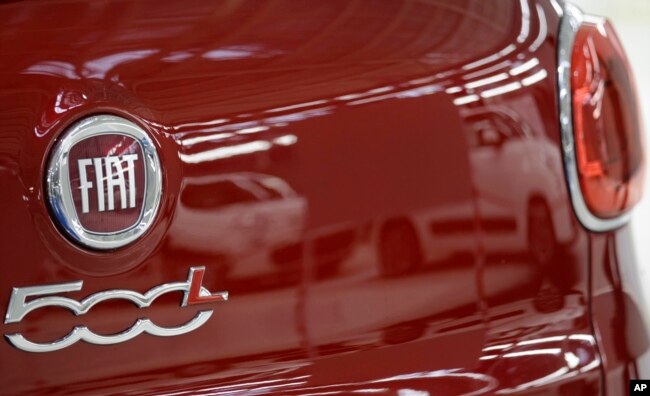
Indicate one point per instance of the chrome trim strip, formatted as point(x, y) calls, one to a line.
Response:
point(569, 25)
point(58, 181)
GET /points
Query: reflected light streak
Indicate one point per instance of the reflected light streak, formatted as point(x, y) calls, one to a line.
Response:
point(232, 52)
point(200, 124)
point(453, 90)
point(356, 391)
point(286, 140)
point(201, 139)
point(498, 347)
point(261, 389)
point(177, 56)
point(548, 351)
point(525, 21)
point(487, 70)
point(53, 68)
point(234, 128)
point(98, 68)
point(251, 130)
point(505, 51)
point(423, 80)
point(243, 387)
point(543, 29)
point(537, 77)
point(557, 7)
point(256, 383)
point(510, 48)
point(489, 382)
point(583, 337)
point(370, 100)
point(542, 340)
point(466, 99)
point(364, 94)
point(501, 90)
point(299, 116)
point(225, 152)
point(595, 364)
point(524, 67)
point(434, 374)
point(419, 91)
point(599, 22)
point(571, 360)
point(297, 106)
point(61, 105)
point(226, 54)
point(412, 392)
point(486, 81)
point(409, 93)
point(481, 62)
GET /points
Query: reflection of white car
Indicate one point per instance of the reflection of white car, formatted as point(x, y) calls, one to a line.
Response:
point(407, 241)
point(239, 218)
point(518, 177)
point(513, 211)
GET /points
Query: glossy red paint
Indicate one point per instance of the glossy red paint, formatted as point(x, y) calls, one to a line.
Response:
point(379, 186)
point(620, 331)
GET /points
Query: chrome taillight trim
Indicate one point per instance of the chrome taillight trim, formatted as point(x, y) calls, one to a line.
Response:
point(569, 25)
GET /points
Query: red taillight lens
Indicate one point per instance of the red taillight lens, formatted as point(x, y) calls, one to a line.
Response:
point(606, 122)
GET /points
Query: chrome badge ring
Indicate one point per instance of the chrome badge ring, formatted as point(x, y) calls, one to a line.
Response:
point(111, 198)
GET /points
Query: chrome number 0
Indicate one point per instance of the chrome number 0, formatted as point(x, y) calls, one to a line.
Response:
point(194, 293)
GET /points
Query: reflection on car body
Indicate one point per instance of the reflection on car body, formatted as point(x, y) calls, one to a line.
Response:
point(384, 189)
point(239, 219)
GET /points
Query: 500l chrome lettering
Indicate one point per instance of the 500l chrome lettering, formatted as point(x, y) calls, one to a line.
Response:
point(19, 307)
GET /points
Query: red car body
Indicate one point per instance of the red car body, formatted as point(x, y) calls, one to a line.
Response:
point(419, 235)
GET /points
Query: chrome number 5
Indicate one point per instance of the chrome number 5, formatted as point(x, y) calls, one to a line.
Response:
point(194, 293)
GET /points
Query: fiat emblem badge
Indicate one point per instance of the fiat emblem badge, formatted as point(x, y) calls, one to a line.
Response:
point(104, 182)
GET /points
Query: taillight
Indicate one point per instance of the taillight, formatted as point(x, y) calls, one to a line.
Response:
point(601, 123)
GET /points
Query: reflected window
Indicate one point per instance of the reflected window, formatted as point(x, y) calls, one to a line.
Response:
point(217, 194)
point(491, 129)
point(271, 193)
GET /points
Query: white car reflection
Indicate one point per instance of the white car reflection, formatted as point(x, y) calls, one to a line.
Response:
point(238, 219)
